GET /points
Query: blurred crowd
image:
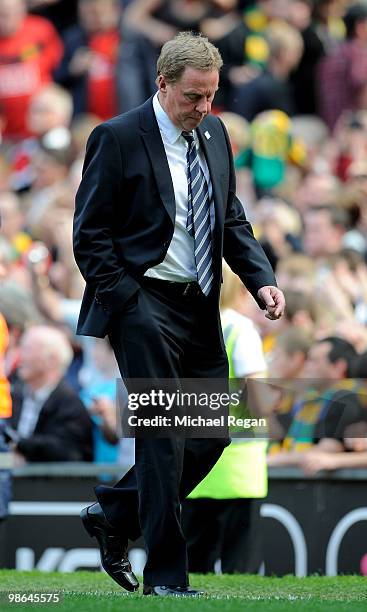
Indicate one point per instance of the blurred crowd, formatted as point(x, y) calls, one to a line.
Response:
point(293, 96)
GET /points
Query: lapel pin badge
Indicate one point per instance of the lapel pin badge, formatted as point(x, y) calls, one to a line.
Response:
point(207, 135)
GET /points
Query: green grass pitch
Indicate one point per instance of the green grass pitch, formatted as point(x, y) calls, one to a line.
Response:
point(95, 592)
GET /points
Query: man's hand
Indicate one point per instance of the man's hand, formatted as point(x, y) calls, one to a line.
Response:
point(314, 462)
point(274, 301)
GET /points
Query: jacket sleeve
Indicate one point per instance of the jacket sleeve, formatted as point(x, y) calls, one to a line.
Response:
point(100, 191)
point(241, 250)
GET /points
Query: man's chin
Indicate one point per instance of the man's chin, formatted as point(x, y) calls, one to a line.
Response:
point(192, 124)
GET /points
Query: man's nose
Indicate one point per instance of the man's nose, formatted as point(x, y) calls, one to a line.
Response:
point(204, 106)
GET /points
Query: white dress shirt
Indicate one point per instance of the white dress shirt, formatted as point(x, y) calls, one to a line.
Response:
point(179, 262)
point(31, 408)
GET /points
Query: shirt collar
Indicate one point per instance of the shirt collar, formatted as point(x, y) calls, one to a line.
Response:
point(41, 394)
point(170, 131)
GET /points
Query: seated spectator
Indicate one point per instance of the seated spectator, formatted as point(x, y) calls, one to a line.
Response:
point(286, 362)
point(270, 90)
point(319, 418)
point(51, 422)
point(353, 455)
point(30, 50)
point(89, 63)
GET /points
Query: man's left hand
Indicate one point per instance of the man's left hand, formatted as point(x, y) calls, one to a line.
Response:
point(274, 301)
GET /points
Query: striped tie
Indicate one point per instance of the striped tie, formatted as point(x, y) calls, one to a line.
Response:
point(198, 215)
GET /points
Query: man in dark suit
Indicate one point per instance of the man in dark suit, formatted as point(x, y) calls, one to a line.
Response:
point(155, 212)
point(49, 422)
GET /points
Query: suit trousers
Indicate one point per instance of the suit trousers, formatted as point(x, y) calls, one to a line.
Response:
point(160, 335)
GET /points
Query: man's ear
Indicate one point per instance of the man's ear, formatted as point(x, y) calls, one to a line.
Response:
point(162, 84)
point(342, 366)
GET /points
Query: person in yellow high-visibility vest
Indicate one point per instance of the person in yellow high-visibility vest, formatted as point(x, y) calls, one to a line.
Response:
point(5, 398)
point(220, 516)
point(5, 412)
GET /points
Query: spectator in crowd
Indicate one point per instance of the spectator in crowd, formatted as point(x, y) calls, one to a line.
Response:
point(298, 272)
point(221, 516)
point(270, 89)
point(95, 376)
point(350, 138)
point(353, 454)
point(317, 188)
point(50, 421)
point(353, 448)
point(50, 108)
point(99, 396)
point(319, 419)
point(12, 224)
point(49, 116)
point(280, 225)
point(30, 50)
point(324, 229)
point(286, 362)
point(303, 78)
point(50, 166)
point(343, 73)
point(327, 18)
point(288, 358)
point(89, 63)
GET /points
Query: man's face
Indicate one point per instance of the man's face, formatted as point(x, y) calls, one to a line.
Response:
point(318, 364)
point(33, 359)
point(286, 365)
point(321, 237)
point(12, 13)
point(189, 100)
point(98, 15)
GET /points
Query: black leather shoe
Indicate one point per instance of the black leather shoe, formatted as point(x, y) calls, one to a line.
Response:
point(113, 547)
point(173, 591)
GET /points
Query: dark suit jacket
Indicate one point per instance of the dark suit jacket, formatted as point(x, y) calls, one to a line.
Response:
point(125, 212)
point(63, 431)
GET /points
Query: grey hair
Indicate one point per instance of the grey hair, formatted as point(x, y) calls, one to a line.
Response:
point(187, 50)
point(55, 343)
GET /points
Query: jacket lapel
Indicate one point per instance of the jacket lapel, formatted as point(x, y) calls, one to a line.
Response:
point(155, 150)
point(213, 155)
